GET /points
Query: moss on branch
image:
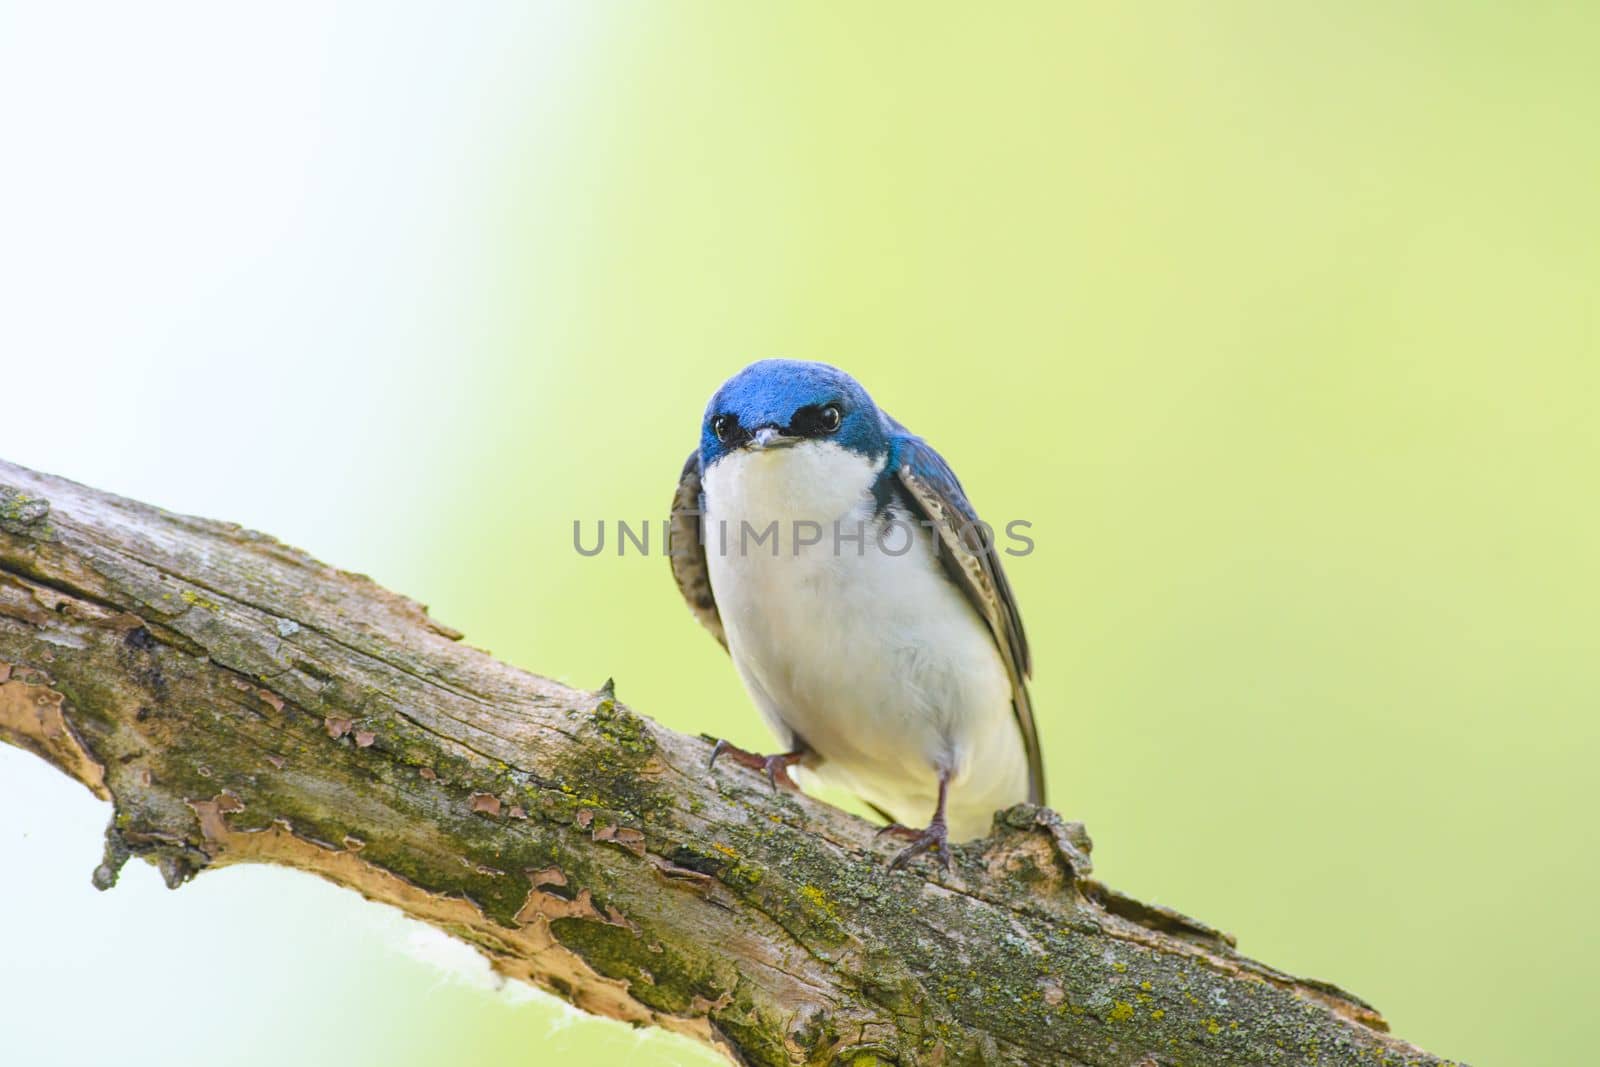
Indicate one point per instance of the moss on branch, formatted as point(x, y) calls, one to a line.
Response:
point(239, 702)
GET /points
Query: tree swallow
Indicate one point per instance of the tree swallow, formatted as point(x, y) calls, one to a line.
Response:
point(873, 627)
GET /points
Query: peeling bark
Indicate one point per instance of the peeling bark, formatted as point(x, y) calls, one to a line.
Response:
point(239, 702)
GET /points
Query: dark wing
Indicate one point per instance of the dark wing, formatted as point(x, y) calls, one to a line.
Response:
point(973, 562)
point(687, 551)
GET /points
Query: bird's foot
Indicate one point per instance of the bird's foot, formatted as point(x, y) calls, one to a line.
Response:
point(776, 768)
point(936, 836)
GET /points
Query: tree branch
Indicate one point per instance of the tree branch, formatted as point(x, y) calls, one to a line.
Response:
point(238, 702)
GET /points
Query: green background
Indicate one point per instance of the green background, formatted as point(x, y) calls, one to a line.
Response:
point(1277, 321)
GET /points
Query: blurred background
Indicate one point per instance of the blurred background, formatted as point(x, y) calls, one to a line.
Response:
point(1277, 320)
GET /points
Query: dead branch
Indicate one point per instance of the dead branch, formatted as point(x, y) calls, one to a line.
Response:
point(238, 701)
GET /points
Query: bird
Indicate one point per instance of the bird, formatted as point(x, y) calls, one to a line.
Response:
point(877, 636)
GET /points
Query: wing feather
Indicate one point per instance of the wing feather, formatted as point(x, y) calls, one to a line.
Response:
point(972, 561)
point(687, 551)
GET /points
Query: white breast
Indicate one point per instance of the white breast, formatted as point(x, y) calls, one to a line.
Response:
point(865, 649)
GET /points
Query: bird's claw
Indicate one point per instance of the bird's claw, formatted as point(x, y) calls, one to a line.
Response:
point(936, 836)
point(775, 767)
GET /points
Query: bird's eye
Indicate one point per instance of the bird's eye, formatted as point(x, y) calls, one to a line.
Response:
point(829, 418)
point(722, 425)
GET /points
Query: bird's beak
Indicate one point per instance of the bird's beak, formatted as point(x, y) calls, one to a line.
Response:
point(770, 437)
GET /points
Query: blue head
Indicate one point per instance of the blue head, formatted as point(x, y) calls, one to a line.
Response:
point(775, 403)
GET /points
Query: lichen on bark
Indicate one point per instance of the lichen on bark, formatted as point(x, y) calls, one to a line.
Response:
point(239, 702)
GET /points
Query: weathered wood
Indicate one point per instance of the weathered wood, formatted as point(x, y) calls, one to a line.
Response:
point(238, 701)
